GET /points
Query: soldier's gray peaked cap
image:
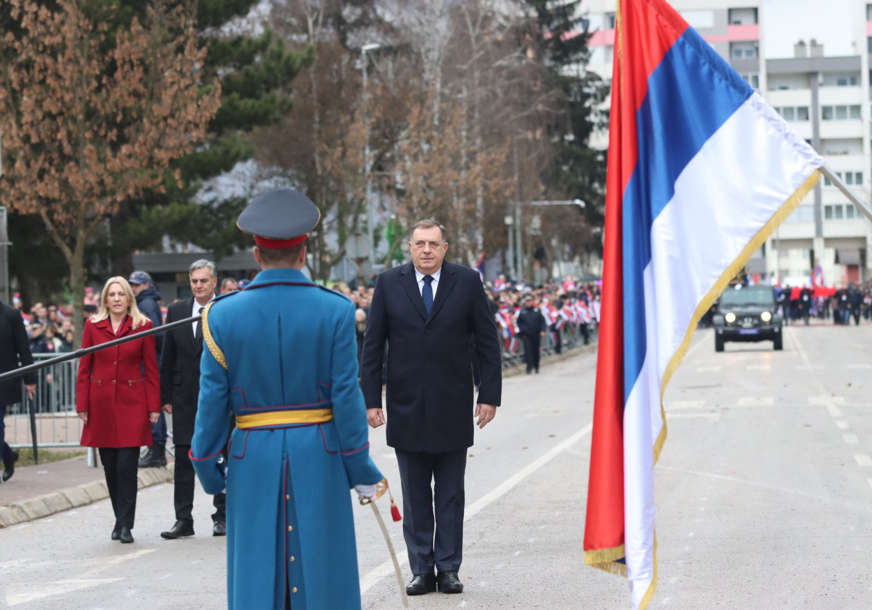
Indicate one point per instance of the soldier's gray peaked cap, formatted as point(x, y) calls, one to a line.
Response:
point(280, 218)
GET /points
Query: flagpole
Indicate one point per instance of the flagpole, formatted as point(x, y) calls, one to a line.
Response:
point(861, 207)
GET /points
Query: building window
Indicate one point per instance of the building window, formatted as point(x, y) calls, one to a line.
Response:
point(838, 212)
point(610, 21)
point(858, 178)
point(752, 79)
point(828, 212)
point(742, 16)
point(788, 113)
point(840, 112)
point(802, 113)
point(849, 178)
point(869, 12)
point(743, 50)
point(849, 211)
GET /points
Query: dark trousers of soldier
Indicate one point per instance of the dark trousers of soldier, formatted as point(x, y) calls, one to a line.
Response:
point(446, 471)
point(585, 332)
point(555, 332)
point(183, 489)
point(531, 352)
point(119, 466)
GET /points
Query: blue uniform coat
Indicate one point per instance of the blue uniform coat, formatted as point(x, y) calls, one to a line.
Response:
point(286, 344)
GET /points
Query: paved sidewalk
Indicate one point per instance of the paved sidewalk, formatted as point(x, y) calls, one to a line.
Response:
point(45, 489)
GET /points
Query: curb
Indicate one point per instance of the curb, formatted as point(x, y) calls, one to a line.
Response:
point(73, 497)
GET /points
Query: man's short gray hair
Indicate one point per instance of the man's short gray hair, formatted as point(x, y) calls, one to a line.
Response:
point(427, 223)
point(203, 264)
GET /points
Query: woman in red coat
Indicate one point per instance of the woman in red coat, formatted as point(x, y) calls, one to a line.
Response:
point(117, 395)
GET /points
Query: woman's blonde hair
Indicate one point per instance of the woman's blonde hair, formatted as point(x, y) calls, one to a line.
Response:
point(132, 309)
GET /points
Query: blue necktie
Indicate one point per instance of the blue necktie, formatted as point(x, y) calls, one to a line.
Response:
point(427, 292)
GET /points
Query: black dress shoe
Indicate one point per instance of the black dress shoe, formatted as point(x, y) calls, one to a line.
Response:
point(449, 583)
point(124, 535)
point(116, 532)
point(219, 528)
point(421, 584)
point(9, 465)
point(180, 528)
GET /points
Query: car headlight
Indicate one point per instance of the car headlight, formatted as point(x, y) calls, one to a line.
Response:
point(765, 316)
point(730, 317)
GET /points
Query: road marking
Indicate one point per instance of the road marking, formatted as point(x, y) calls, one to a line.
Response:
point(754, 401)
point(826, 399)
point(841, 424)
point(711, 416)
point(708, 369)
point(851, 439)
point(758, 367)
point(809, 367)
point(676, 405)
point(863, 459)
point(29, 593)
point(386, 568)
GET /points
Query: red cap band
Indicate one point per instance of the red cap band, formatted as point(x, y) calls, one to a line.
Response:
point(279, 244)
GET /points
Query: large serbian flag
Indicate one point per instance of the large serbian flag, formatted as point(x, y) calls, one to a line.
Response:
point(700, 171)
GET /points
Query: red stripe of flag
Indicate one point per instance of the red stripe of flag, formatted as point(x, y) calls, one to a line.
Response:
point(644, 34)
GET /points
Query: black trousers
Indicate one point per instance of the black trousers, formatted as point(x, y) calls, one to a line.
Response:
point(183, 489)
point(119, 466)
point(446, 472)
point(531, 352)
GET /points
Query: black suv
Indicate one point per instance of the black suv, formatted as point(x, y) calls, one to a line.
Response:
point(747, 313)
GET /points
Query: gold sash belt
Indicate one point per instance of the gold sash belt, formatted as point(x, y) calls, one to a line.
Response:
point(284, 418)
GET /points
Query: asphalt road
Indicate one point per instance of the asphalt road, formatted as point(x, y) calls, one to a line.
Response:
point(764, 498)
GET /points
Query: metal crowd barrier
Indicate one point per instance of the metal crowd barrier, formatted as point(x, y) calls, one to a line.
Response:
point(570, 336)
point(50, 417)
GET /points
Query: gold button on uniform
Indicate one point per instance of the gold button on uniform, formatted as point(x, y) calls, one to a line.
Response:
point(293, 559)
point(294, 590)
point(290, 528)
point(287, 496)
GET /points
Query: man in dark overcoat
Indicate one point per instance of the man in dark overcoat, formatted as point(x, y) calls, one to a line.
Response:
point(14, 352)
point(180, 387)
point(434, 317)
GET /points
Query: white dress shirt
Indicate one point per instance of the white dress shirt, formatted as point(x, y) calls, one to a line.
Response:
point(196, 309)
point(420, 277)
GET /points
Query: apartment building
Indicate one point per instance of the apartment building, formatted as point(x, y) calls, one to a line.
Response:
point(825, 98)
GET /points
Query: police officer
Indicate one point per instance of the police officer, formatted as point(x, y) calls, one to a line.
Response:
point(282, 354)
point(531, 324)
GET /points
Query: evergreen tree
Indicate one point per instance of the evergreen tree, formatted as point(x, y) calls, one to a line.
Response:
point(255, 72)
point(577, 170)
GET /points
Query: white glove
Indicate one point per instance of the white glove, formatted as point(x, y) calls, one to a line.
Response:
point(365, 493)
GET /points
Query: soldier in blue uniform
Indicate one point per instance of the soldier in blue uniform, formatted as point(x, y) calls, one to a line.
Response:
point(282, 365)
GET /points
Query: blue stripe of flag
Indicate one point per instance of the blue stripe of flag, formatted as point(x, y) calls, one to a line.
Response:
point(691, 93)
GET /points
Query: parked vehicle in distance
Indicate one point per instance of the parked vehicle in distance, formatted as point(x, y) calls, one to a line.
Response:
point(747, 313)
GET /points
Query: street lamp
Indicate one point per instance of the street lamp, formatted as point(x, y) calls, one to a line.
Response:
point(510, 254)
point(370, 213)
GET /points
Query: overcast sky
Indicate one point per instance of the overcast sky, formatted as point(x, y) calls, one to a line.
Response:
point(827, 21)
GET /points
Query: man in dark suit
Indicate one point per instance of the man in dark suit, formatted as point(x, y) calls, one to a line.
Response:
point(180, 386)
point(436, 322)
point(14, 352)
